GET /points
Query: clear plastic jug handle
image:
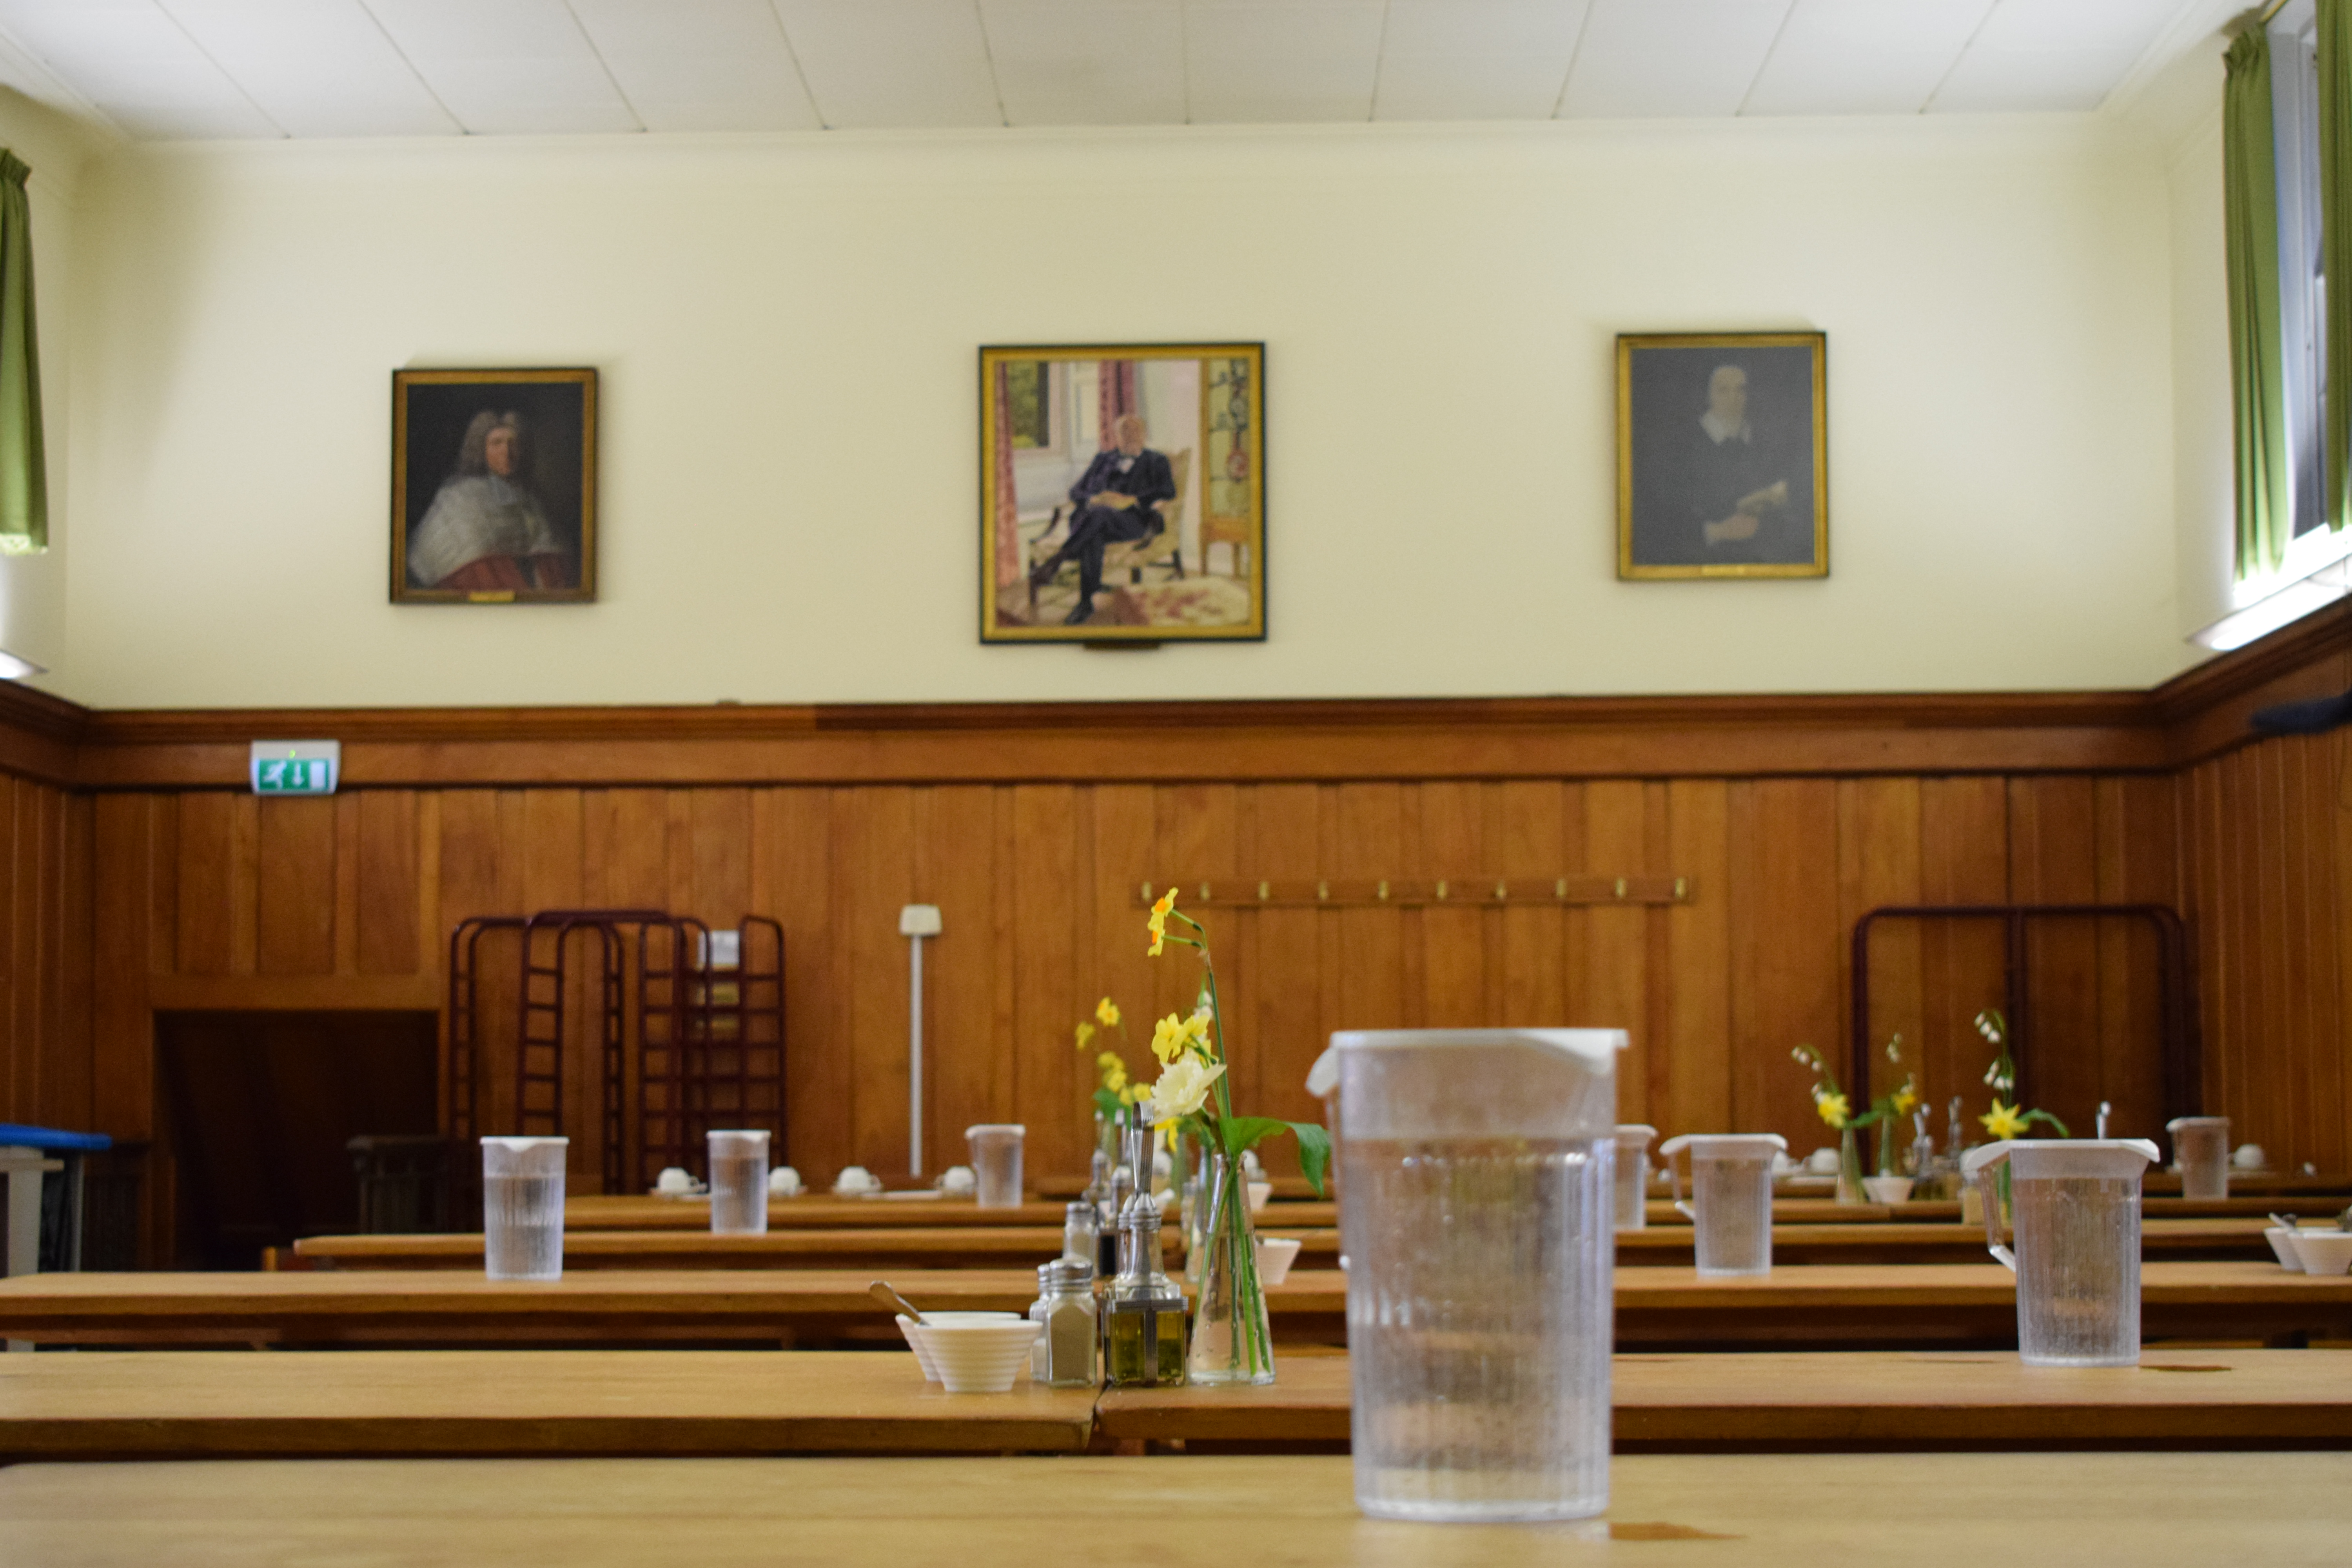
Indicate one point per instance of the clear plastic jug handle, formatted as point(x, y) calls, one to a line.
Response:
point(1981, 1163)
point(1686, 1210)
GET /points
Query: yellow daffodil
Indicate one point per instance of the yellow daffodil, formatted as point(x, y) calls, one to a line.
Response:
point(1130, 1093)
point(1086, 1035)
point(1904, 1101)
point(1834, 1109)
point(1107, 1059)
point(1107, 1013)
point(1172, 1036)
point(2003, 1120)
point(1183, 1090)
point(1114, 1078)
point(1157, 924)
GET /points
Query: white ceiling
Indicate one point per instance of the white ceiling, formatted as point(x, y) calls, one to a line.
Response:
point(177, 68)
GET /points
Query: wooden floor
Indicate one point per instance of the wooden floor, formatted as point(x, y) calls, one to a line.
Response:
point(1772, 1510)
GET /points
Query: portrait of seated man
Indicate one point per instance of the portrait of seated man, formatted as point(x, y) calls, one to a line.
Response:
point(1722, 468)
point(1118, 499)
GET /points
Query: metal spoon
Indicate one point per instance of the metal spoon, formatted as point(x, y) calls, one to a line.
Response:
point(890, 1298)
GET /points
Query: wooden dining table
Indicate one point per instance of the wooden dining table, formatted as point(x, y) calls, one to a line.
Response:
point(1825, 1306)
point(817, 1212)
point(102, 1405)
point(1858, 1400)
point(1664, 1510)
point(1793, 1245)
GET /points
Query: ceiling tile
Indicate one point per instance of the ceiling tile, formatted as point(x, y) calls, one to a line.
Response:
point(508, 66)
point(318, 67)
point(1477, 59)
point(893, 62)
point(1260, 61)
point(136, 65)
point(699, 65)
point(1648, 58)
point(1088, 62)
point(1864, 57)
point(2053, 54)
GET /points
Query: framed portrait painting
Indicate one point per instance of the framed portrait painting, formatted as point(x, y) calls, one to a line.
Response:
point(1122, 493)
point(493, 486)
point(1723, 454)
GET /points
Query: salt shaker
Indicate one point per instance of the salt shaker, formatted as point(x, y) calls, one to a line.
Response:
point(1065, 1352)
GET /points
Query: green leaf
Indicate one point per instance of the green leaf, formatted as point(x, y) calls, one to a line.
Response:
point(1239, 1133)
point(1314, 1153)
point(1106, 1101)
point(2032, 1117)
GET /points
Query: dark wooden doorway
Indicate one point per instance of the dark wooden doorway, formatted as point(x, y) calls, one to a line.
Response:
point(257, 1109)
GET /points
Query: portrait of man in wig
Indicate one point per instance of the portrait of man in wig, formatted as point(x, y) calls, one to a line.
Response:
point(487, 531)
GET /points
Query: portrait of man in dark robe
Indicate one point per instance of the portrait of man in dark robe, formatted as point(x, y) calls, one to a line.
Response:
point(1719, 458)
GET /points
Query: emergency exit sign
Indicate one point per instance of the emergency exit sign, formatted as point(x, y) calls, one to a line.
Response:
point(297, 767)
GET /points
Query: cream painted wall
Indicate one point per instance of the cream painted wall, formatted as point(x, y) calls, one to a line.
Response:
point(787, 330)
point(33, 588)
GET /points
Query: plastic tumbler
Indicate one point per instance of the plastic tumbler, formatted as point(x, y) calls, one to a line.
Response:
point(2201, 1147)
point(1479, 1231)
point(1634, 1174)
point(738, 1183)
point(522, 1207)
point(2074, 1213)
point(996, 1164)
point(1731, 1182)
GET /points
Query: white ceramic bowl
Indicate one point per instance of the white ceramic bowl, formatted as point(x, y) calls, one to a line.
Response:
point(980, 1358)
point(856, 1182)
point(917, 1335)
point(1276, 1254)
point(2325, 1251)
point(1259, 1193)
point(2282, 1242)
point(783, 1181)
point(1886, 1189)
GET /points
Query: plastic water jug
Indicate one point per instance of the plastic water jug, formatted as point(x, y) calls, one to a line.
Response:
point(1731, 1180)
point(1634, 1174)
point(739, 1182)
point(522, 1207)
point(1479, 1167)
point(2201, 1147)
point(2074, 1214)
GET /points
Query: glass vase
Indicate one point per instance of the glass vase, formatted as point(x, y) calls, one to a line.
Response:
point(1231, 1339)
point(1849, 1182)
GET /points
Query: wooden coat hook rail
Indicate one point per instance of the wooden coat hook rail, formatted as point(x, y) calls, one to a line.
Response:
point(1419, 892)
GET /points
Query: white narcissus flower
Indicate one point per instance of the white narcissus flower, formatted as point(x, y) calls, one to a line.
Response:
point(1183, 1090)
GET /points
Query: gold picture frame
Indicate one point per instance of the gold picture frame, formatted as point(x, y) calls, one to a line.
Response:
point(1122, 493)
point(1723, 454)
point(493, 487)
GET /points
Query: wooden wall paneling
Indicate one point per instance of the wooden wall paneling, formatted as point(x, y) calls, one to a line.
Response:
point(294, 892)
point(1786, 951)
point(1613, 984)
point(1963, 859)
point(1657, 1023)
point(2234, 920)
point(2339, 901)
point(1287, 1027)
point(2137, 862)
point(1123, 824)
point(1363, 837)
point(20, 949)
point(344, 921)
point(721, 827)
point(2053, 849)
point(76, 1102)
point(964, 1052)
point(1879, 864)
point(793, 828)
point(554, 872)
point(1696, 976)
point(1535, 832)
point(1454, 945)
point(122, 929)
point(874, 877)
point(207, 872)
point(1198, 834)
point(1049, 995)
point(2217, 976)
point(2311, 946)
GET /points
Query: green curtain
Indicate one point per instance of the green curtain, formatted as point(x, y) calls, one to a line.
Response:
point(2336, 240)
point(2265, 486)
point(24, 470)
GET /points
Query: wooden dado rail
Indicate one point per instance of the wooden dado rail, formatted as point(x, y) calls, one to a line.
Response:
point(138, 877)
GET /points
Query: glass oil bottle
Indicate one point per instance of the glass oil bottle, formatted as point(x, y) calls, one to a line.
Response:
point(1143, 1329)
